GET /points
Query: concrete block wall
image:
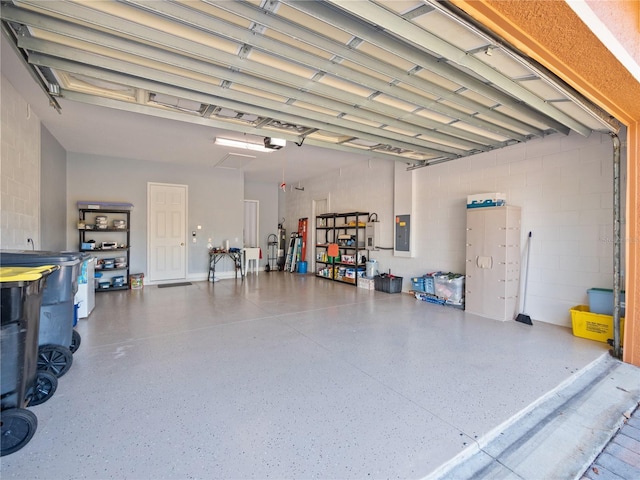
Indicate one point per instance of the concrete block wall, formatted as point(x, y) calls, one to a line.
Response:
point(565, 188)
point(563, 184)
point(19, 170)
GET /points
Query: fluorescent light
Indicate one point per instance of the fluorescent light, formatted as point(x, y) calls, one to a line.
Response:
point(226, 142)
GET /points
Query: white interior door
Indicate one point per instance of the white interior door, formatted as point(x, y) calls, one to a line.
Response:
point(167, 238)
point(251, 233)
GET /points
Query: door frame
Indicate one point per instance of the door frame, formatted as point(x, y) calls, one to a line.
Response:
point(150, 281)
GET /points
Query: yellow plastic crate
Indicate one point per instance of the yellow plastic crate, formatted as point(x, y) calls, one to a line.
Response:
point(593, 326)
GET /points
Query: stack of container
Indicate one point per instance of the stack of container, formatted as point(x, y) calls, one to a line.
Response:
point(102, 222)
point(441, 288)
point(595, 321)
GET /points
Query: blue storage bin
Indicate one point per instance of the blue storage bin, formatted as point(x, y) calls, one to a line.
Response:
point(601, 301)
point(429, 285)
point(418, 284)
point(424, 284)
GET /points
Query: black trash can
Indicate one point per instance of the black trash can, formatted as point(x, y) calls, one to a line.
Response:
point(57, 311)
point(20, 383)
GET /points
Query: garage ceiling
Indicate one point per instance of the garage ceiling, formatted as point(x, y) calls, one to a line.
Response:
point(407, 80)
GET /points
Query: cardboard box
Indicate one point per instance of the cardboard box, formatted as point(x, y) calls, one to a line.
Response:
point(366, 283)
point(348, 259)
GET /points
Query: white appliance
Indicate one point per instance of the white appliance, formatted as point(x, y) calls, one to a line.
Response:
point(86, 295)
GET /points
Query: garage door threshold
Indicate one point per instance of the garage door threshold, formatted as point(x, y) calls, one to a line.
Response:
point(559, 435)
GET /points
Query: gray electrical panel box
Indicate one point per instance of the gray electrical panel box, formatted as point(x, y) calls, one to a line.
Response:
point(403, 233)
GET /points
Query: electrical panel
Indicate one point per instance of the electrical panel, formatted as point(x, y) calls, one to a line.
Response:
point(403, 233)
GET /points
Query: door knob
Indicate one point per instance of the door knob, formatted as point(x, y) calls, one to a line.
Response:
point(182, 244)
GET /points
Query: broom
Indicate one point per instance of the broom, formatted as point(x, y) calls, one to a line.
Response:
point(523, 317)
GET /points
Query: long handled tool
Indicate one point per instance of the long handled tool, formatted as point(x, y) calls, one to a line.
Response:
point(523, 317)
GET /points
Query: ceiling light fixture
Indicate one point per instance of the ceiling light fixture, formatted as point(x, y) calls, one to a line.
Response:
point(226, 142)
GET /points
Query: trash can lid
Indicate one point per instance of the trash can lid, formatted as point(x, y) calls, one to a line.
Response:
point(25, 258)
point(25, 274)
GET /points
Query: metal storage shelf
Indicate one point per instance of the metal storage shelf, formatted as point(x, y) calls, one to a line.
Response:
point(333, 225)
point(111, 289)
point(122, 235)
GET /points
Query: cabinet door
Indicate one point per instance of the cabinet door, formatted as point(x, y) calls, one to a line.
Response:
point(475, 281)
point(493, 270)
point(496, 247)
point(513, 256)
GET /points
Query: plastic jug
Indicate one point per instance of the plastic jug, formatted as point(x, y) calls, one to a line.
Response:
point(372, 268)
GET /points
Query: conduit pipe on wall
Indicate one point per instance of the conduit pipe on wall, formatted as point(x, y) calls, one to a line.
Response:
point(617, 350)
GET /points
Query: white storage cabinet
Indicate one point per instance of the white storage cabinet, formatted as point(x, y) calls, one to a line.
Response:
point(493, 262)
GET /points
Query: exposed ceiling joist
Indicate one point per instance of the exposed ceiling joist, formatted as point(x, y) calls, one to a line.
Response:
point(403, 29)
point(403, 80)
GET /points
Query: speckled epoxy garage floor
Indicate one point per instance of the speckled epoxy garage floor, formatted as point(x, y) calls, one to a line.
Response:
point(285, 376)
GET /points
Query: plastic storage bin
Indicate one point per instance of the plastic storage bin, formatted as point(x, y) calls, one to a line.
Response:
point(429, 284)
point(418, 284)
point(601, 301)
point(387, 283)
point(57, 311)
point(479, 200)
point(450, 287)
point(593, 326)
point(20, 383)
point(424, 284)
